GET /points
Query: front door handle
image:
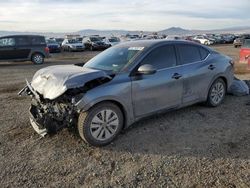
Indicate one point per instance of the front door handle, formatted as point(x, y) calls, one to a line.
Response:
point(211, 67)
point(176, 76)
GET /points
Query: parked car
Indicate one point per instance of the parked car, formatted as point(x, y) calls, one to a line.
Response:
point(124, 84)
point(111, 41)
point(59, 41)
point(228, 38)
point(238, 42)
point(203, 40)
point(72, 45)
point(23, 48)
point(53, 46)
point(245, 52)
point(95, 43)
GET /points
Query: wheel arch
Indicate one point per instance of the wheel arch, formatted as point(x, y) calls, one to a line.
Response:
point(36, 52)
point(120, 106)
point(213, 80)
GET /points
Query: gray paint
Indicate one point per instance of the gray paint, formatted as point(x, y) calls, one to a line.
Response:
point(143, 95)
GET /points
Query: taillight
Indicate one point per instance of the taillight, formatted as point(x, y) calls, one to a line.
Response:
point(47, 49)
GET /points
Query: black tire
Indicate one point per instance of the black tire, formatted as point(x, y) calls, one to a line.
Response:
point(37, 59)
point(85, 119)
point(210, 99)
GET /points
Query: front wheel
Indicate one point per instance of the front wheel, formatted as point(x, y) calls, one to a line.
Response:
point(101, 124)
point(216, 93)
point(37, 59)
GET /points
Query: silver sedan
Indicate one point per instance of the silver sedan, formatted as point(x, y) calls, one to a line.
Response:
point(124, 84)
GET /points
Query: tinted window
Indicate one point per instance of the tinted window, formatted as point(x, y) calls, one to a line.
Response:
point(161, 57)
point(21, 41)
point(189, 54)
point(38, 40)
point(7, 42)
point(204, 53)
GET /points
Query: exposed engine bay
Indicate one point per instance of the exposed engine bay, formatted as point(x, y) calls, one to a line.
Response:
point(51, 115)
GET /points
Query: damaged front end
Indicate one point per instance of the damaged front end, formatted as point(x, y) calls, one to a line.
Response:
point(49, 115)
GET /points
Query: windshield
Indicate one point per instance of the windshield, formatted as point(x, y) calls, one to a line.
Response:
point(246, 43)
point(114, 59)
point(114, 40)
point(51, 42)
point(94, 39)
point(73, 41)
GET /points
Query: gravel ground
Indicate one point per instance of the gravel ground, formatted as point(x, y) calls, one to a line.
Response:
point(192, 147)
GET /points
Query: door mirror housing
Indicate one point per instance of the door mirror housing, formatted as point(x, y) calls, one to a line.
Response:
point(146, 69)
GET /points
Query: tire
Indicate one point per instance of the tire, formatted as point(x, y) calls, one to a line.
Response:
point(216, 93)
point(69, 49)
point(37, 58)
point(91, 48)
point(93, 126)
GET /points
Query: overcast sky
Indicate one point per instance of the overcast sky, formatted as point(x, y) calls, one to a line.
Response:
point(151, 15)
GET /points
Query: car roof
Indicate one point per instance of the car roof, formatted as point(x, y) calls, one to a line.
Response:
point(152, 43)
point(22, 36)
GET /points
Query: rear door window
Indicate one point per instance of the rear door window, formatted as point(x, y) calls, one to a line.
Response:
point(38, 40)
point(22, 41)
point(188, 53)
point(161, 57)
point(8, 41)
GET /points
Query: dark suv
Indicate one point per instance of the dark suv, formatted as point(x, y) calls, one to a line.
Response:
point(23, 48)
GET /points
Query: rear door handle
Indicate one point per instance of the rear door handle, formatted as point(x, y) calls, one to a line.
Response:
point(176, 76)
point(211, 67)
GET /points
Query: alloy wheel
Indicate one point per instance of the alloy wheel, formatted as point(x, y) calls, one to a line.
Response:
point(104, 125)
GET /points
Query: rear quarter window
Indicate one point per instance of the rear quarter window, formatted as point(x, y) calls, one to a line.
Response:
point(38, 40)
point(204, 53)
point(189, 53)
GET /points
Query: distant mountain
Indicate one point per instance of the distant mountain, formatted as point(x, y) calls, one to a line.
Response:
point(175, 31)
point(169, 31)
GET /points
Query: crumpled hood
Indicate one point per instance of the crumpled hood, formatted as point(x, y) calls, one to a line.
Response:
point(53, 81)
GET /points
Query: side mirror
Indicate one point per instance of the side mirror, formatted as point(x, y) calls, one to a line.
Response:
point(146, 69)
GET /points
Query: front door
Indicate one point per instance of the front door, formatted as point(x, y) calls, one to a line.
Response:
point(23, 47)
point(162, 90)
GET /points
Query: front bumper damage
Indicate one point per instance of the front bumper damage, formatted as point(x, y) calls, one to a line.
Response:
point(49, 116)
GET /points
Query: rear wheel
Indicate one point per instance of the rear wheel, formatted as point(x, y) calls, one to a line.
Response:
point(37, 59)
point(101, 124)
point(216, 93)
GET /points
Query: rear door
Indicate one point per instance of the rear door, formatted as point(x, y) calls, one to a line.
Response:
point(161, 90)
point(7, 48)
point(196, 71)
point(23, 47)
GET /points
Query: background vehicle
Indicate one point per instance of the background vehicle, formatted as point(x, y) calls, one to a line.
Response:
point(126, 83)
point(72, 45)
point(203, 40)
point(245, 52)
point(111, 41)
point(23, 48)
point(238, 42)
point(95, 43)
point(53, 46)
point(59, 41)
